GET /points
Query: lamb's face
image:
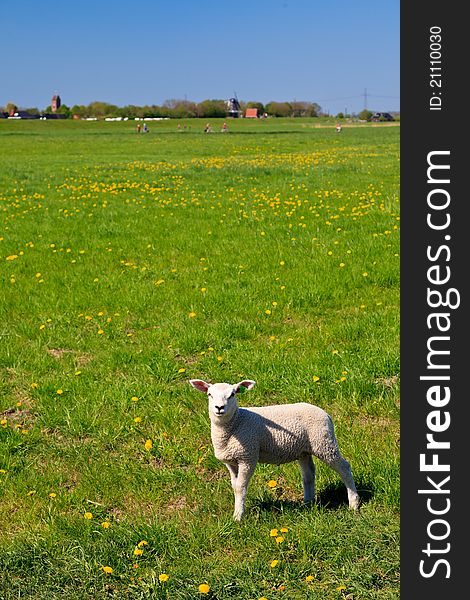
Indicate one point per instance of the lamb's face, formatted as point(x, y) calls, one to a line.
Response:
point(222, 402)
point(222, 397)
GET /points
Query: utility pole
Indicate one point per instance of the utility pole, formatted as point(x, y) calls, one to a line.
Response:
point(365, 98)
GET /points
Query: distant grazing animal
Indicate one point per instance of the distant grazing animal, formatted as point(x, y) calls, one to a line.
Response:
point(242, 437)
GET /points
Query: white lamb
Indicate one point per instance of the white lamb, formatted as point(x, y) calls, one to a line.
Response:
point(242, 437)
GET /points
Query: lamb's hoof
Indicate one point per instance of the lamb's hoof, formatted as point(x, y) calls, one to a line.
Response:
point(354, 502)
point(237, 516)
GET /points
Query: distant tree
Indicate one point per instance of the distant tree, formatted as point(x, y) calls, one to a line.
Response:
point(279, 109)
point(314, 110)
point(11, 108)
point(365, 114)
point(130, 111)
point(304, 109)
point(102, 109)
point(64, 110)
point(211, 108)
point(184, 110)
point(171, 103)
point(340, 115)
point(77, 109)
point(179, 109)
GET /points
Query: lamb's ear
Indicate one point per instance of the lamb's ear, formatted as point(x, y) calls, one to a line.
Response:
point(200, 385)
point(246, 384)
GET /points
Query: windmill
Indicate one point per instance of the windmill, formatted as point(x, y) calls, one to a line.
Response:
point(233, 107)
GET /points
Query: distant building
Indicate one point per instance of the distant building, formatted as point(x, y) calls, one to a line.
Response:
point(251, 113)
point(233, 108)
point(23, 114)
point(55, 103)
point(381, 116)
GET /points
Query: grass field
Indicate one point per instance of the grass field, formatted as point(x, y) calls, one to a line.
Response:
point(129, 264)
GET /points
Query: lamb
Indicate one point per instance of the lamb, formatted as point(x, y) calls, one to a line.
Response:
point(242, 437)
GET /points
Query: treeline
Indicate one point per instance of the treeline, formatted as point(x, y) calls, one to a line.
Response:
point(185, 109)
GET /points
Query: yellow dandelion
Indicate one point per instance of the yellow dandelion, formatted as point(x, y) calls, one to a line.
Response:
point(107, 570)
point(274, 563)
point(316, 378)
point(267, 311)
point(163, 577)
point(142, 543)
point(31, 493)
point(137, 419)
point(272, 483)
point(279, 539)
point(138, 552)
point(12, 257)
point(3, 423)
point(263, 598)
point(204, 588)
point(365, 274)
point(88, 515)
point(159, 282)
point(284, 529)
point(59, 392)
point(148, 445)
point(34, 386)
point(309, 578)
point(52, 495)
point(340, 588)
point(105, 524)
point(100, 332)
point(274, 533)
point(191, 315)
point(182, 370)
point(134, 399)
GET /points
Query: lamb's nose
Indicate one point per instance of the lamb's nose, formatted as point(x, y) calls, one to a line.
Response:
point(219, 409)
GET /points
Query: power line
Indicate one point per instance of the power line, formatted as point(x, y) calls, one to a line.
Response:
point(365, 95)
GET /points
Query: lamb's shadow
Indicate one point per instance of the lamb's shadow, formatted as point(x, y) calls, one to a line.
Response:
point(333, 496)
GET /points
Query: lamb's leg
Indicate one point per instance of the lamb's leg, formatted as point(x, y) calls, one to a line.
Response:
point(343, 468)
point(233, 470)
point(240, 485)
point(307, 466)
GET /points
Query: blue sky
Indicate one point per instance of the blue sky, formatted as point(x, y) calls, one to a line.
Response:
point(146, 52)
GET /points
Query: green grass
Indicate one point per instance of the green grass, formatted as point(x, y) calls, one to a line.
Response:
point(130, 263)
